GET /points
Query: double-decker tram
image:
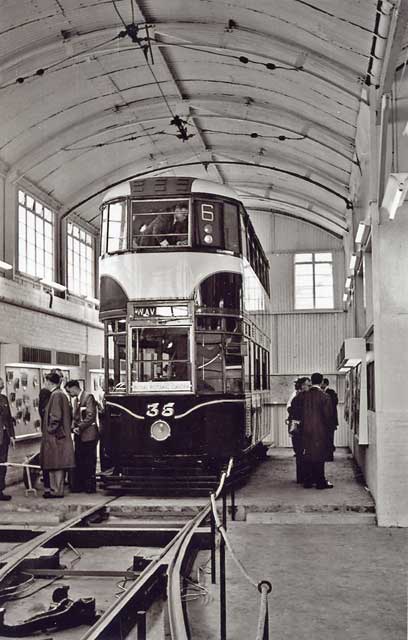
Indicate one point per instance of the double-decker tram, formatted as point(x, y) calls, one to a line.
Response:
point(184, 298)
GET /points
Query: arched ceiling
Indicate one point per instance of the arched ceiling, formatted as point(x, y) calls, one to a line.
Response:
point(268, 93)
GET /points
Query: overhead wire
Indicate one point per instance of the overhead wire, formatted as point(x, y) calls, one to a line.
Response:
point(244, 59)
point(41, 71)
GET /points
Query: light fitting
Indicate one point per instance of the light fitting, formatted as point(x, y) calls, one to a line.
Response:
point(395, 191)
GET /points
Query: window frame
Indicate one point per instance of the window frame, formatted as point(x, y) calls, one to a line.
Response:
point(173, 199)
point(92, 245)
point(313, 262)
point(48, 272)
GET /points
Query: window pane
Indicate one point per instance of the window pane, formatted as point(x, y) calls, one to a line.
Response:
point(160, 355)
point(35, 236)
point(117, 228)
point(231, 227)
point(323, 268)
point(323, 257)
point(80, 258)
point(314, 281)
point(303, 257)
point(324, 303)
point(160, 223)
point(304, 269)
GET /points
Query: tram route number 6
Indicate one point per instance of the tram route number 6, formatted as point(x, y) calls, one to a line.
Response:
point(207, 212)
point(153, 410)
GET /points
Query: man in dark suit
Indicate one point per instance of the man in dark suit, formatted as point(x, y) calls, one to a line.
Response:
point(313, 409)
point(6, 436)
point(335, 419)
point(84, 426)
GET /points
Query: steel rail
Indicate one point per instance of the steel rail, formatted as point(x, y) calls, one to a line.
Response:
point(177, 619)
point(153, 573)
point(10, 560)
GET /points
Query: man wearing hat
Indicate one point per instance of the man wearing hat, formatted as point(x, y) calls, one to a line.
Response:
point(57, 451)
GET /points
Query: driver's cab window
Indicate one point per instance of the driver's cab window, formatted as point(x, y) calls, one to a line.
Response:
point(160, 223)
point(160, 358)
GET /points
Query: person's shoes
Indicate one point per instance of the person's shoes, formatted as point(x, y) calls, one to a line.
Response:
point(4, 497)
point(326, 485)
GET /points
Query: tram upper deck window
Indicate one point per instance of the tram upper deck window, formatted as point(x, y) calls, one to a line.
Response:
point(160, 223)
point(114, 227)
point(160, 359)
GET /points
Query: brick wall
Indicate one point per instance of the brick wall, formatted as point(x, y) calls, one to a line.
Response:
point(25, 319)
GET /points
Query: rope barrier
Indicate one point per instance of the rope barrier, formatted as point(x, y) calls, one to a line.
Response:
point(264, 586)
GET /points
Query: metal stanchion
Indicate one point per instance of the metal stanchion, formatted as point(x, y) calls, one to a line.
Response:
point(233, 507)
point(213, 558)
point(141, 625)
point(223, 590)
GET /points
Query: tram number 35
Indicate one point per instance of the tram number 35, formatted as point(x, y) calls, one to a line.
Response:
point(154, 410)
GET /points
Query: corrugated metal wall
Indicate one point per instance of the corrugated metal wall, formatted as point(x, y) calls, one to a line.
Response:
point(306, 341)
point(302, 342)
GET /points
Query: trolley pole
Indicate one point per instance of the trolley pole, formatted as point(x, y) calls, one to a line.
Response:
point(223, 593)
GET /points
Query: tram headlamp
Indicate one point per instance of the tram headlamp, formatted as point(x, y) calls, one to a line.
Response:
point(208, 228)
point(160, 430)
point(208, 239)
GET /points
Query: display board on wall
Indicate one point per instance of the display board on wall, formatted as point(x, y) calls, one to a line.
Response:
point(282, 386)
point(23, 386)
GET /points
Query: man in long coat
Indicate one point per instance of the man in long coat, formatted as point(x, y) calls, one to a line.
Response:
point(57, 450)
point(6, 436)
point(313, 409)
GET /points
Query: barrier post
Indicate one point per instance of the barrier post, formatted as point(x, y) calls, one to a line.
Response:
point(262, 633)
point(233, 507)
point(213, 558)
point(141, 625)
point(223, 590)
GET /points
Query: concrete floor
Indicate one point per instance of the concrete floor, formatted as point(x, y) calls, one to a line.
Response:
point(270, 494)
point(343, 582)
point(335, 575)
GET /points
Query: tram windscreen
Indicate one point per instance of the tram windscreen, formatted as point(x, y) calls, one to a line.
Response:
point(160, 223)
point(160, 358)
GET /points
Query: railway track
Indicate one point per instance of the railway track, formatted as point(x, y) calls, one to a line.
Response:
point(94, 577)
point(90, 578)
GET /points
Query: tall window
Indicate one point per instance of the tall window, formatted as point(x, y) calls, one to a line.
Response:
point(35, 237)
point(314, 281)
point(80, 254)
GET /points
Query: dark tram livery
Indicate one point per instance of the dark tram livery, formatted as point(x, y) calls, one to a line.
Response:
point(184, 293)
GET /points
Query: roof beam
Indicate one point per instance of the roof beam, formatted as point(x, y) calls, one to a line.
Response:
point(398, 26)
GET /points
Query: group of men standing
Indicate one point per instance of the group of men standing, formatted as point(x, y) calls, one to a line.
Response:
point(59, 453)
point(313, 411)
